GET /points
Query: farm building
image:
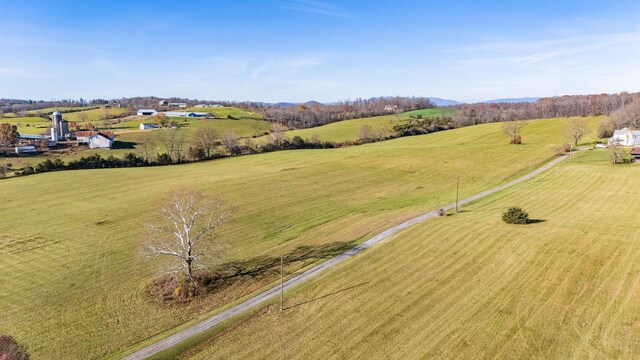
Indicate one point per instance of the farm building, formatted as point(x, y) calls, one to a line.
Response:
point(185, 114)
point(84, 137)
point(26, 150)
point(163, 103)
point(146, 126)
point(142, 112)
point(625, 137)
point(101, 141)
point(178, 105)
point(635, 154)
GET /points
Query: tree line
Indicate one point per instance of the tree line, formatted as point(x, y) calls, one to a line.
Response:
point(544, 108)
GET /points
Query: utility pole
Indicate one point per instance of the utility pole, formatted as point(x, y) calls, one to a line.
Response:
point(281, 282)
point(570, 148)
point(457, 192)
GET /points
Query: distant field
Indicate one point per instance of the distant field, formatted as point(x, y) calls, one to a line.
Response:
point(430, 112)
point(94, 115)
point(350, 129)
point(224, 111)
point(470, 286)
point(74, 285)
point(62, 109)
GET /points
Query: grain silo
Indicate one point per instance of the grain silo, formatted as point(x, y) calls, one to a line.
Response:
point(56, 118)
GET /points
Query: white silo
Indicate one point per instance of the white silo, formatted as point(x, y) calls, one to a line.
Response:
point(56, 118)
point(54, 137)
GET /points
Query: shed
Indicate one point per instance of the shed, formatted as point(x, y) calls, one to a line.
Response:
point(145, 126)
point(26, 150)
point(142, 112)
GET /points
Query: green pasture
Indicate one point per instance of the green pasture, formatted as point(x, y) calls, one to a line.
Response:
point(75, 280)
point(469, 286)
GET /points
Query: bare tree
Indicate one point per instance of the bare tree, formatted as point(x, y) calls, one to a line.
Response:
point(314, 139)
point(576, 129)
point(8, 134)
point(230, 141)
point(186, 229)
point(366, 133)
point(146, 150)
point(173, 142)
point(616, 153)
point(627, 115)
point(206, 138)
point(277, 134)
point(513, 129)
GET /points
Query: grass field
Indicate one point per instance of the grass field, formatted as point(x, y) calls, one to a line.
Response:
point(74, 284)
point(224, 111)
point(470, 286)
point(349, 130)
point(62, 108)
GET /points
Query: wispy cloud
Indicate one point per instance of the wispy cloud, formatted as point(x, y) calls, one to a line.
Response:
point(537, 51)
point(317, 7)
point(256, 72)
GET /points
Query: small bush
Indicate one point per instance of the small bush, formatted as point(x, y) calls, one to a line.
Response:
point(562, 149)
point(515, 215)
point(442, 212)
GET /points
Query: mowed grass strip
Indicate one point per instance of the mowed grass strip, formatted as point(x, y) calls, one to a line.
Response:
point(75, 282)
point(471, 286)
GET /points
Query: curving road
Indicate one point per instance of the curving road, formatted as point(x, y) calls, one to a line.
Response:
point(251, 303)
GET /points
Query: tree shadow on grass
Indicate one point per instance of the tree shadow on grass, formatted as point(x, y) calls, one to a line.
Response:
point(326, 295)
point(236, 272)
point(124, 145)
point(536, 221)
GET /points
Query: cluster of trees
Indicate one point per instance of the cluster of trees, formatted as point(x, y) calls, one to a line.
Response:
point(562, 106)
point(315, 114)
point(420, 126)
point(94, 161)
point(8, 136)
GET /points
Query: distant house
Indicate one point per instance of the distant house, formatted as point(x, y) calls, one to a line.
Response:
point(143, 112)
point(177, 105)
point(26, 150)
point(625, 137)
point(146, 126)
point(101, 141)
point(635, 154)
point(163, 103)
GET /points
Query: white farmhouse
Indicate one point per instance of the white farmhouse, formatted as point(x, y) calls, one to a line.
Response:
point(625, 137)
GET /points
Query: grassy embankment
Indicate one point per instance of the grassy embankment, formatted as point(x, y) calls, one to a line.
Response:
point(470, 286)
point(74, 283)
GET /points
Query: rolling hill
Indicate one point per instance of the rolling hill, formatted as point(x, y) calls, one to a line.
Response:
point(78, 283)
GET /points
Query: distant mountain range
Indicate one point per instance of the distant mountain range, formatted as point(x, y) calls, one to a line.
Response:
point(513, 100)
point(435, 100)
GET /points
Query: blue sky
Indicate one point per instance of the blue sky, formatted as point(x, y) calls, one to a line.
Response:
point(299, 50)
